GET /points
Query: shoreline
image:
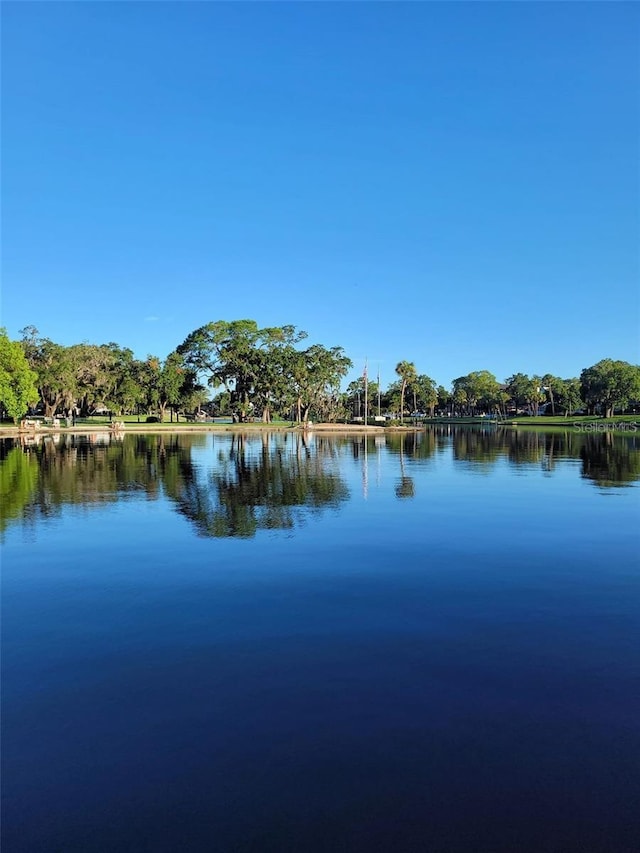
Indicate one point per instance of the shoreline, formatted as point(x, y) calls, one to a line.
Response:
point(594, 425)
point(159, 429)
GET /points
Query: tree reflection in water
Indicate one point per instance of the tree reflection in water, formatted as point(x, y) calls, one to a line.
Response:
point(609, 461)
point(266, 480)
point(609, 458)
point(410, 447)
point(260, 482)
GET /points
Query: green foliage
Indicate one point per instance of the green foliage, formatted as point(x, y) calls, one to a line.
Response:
point(426, 394)
point(85, 375)
point(315, 374)
point(444, 398)
point(478, 390)
point(610, 385)
point(264, 372)
point(252, 364)
point(567, 395)
point(552, 386)
point(406, 370)
point(355, 398)
point(170, 383)
point(17, 381)
point(54, 375)
point(525, 391)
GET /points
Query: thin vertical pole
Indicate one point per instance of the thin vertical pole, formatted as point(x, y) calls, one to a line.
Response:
point(366, 392)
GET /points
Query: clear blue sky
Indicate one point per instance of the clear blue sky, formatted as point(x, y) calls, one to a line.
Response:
point(453, 184)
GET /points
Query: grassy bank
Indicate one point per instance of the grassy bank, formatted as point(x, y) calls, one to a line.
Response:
point(539, 421)
point(132, 425)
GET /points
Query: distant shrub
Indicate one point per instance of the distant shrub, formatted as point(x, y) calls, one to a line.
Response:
point(152, 419)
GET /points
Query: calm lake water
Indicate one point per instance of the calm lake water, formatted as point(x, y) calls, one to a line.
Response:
point(263, 643)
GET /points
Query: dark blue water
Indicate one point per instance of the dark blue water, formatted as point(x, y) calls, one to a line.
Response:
point(421, 643)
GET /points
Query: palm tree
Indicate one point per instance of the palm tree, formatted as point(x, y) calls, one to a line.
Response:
point(549, 384)
point(406, 370)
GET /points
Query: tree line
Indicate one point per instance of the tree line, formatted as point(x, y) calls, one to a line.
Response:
point(238, 369)
point(603, 388)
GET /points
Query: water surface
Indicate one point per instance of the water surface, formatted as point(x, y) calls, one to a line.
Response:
point(271, 643)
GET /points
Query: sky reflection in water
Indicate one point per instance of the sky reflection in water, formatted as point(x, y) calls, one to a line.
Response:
point(269, 643)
